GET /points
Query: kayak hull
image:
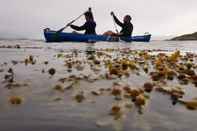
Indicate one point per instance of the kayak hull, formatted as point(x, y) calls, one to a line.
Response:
point(53, 36)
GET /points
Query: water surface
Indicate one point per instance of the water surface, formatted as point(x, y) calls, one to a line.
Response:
point(39, 112)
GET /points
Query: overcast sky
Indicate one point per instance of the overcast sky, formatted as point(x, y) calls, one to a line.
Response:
point(27, 18)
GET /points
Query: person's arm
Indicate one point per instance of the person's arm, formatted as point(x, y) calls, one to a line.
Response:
point(116, 19)
point(78, 28)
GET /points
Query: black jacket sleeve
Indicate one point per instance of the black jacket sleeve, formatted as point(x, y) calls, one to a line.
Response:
point(78, 28)
point(118, 21)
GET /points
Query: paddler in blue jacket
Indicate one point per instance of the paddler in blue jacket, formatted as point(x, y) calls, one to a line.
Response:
point(89, 26)
point(127, 26)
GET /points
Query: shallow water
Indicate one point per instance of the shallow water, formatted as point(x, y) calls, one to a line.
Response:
point(185, 46)
point(39, 112)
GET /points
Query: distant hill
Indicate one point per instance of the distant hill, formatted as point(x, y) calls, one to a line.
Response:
point(192, 36)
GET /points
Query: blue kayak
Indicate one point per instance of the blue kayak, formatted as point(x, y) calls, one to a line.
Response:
point(53, 36)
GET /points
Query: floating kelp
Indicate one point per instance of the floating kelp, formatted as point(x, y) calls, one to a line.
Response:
point(30, 60)
point(148, 87)
point(16, 85)
point(11, 46)
point(174, 57)
point(79, 97)
point(51, 71)
point(130, 77)
point(57, 99)
point(46, 62)
point(59, 88)
point(14, 62)
point(145, 68)
point(60, 55)
point(190, 104)
point(96, 93)
point(10, 76)
point(162, 68)
point(115, 110)
point(116, 91)
point(140, 100)
point(15, 100)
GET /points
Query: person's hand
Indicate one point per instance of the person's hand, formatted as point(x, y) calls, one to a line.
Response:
point(112, 13)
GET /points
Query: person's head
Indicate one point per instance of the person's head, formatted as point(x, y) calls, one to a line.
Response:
point(127, 18)
point(88, 16)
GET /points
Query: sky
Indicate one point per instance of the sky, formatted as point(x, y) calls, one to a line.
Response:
point(27, 18)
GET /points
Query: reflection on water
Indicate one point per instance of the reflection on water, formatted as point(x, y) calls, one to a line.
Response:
point(90, 49)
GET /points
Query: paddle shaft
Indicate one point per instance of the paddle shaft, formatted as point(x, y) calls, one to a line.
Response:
point(73, 21)
point(70, 23)
point(89, 9)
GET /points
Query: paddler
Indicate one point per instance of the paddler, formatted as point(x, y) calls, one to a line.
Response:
point(89, 26)
point(126, 25)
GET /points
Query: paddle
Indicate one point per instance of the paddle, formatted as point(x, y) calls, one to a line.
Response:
point(67, 25)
